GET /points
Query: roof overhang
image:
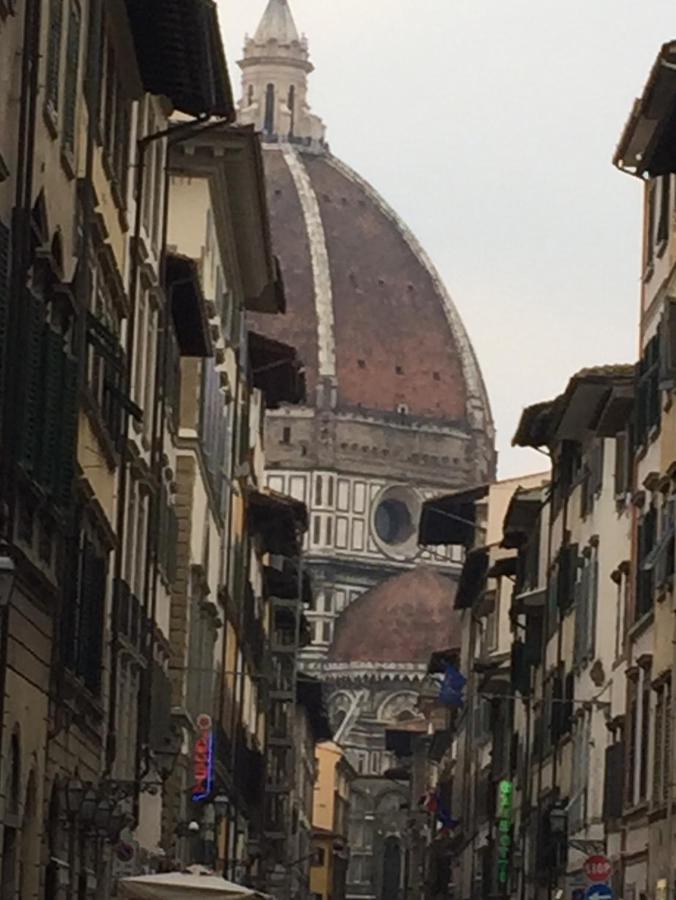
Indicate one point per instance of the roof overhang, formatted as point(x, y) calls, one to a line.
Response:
point(188, 307)
point(180, 53)
point(472, 578)
point(647, 147)
point(284, 583)
point(575, 413)
point(279, 522)
point(231, 158)
point(276, 371)
point(259, 268)
point(451, 519)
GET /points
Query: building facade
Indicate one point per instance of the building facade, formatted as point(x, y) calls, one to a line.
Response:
point(140, 544)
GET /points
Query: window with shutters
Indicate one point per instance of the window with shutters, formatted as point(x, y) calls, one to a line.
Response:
point(632, 739)
point(85, 613)
point(577, 814)
point(648, 405)
point(645, 564)
point(644, 732)
point(214, 430)
point(661, 745)
point(586, 607)
point(668, 346)
point(48, 402)
point(665, 546)
point(70, 87)
point(568, 574)
point(664, 219)
point(650, 217)
point(53, 75)
point(115, 122)
point(592, 482)
point(624, 454)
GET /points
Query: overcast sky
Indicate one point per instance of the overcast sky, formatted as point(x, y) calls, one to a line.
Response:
point(490, 125)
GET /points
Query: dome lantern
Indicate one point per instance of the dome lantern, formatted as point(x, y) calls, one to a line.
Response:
point(275, 68)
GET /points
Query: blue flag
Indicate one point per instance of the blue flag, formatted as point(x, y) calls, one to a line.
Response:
point(452, 687)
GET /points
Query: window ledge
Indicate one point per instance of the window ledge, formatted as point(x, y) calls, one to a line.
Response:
point(51, 117)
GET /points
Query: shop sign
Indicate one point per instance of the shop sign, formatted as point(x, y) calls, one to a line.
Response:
point(203, 760)
point(504, 839)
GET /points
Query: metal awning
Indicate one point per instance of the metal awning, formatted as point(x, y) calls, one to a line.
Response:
point(188, 307)
point(276, 371)
point(279, 521)
point(451, 519)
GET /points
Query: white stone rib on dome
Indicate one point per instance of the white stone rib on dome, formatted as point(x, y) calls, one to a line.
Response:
point(277, 24)
point(478, 404)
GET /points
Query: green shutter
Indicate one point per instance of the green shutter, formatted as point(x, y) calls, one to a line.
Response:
point(54, 52)
point(71, 80)
point(30, 406)
point(67, 448)
point(51, 419)
point(92, 613)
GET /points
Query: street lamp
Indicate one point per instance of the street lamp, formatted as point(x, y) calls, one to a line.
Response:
point(558, 819)
point(74, 795)
point(89, 805)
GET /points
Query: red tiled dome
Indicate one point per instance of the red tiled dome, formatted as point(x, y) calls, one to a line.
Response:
point(403, 620)
point(363, 298)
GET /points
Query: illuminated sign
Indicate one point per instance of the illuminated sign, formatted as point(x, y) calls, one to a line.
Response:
point(504, 838)
point(203, 759)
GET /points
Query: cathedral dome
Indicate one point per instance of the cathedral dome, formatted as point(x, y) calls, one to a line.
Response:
point(369, 315)
point(401, 621)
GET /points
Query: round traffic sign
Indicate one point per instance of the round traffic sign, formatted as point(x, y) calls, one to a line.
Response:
point(597, 868)
point(599, 892)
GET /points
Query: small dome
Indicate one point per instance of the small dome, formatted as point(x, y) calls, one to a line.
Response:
point(403, 620)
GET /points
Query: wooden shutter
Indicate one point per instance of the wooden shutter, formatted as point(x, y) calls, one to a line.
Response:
point(54, 53)
point(67, 450)
point(668, 346)
point(31, 401)
point(53, 372)
point(593, 604)
point(71, 80)
point(92, 613)
point(613, 782)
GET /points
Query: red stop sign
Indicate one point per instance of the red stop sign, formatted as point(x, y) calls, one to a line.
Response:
point(597, 869)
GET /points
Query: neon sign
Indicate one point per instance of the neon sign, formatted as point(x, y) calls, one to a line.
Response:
point(504, 840)
point(203, 760)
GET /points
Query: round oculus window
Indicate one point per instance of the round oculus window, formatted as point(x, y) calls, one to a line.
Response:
point(393, 521)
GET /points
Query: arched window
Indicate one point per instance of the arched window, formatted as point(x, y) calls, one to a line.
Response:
point(269, 124)
point(291, 103)
point(250, 95)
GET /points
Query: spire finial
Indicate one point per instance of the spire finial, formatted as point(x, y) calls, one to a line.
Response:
point(277, 24)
